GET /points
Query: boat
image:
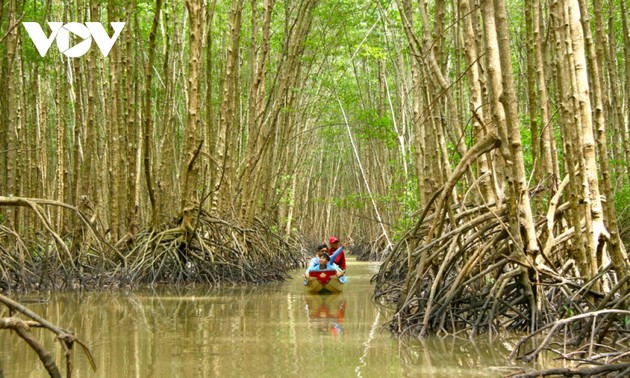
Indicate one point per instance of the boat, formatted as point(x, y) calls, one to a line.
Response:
point(324, 282)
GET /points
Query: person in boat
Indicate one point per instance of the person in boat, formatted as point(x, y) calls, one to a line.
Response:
point(339, 259)
point(325, 263)
point(322, 248)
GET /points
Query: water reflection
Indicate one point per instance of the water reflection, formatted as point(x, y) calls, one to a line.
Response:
point(454, 357)
point(327, 311)
point(274, 330)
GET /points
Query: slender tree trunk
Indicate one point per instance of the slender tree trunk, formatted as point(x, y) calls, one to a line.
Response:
point(210, 165)
point(625, 124)
point(40, 153)
point(115, 168)
point(4, 123)
point(495, 87)
point(438, 77)
point(61, 167)
point(573, 129)
point(148, 117)
point(509, 101)
point(609, 212)
point(258, 67)
point(429, 179)
point(78, 149)
point(86, 187)
point(221, 185)
point(597, 229)
point(549, 165)
point(532, 100)
point(433, 168)
point(167, 152)
point(503, 103)
point(20, 148)
point(9, 127)
point(569, 134)
point(190, 169)
point(75, 69)
point(132, 146)
point(484, 173)
point(270, 118)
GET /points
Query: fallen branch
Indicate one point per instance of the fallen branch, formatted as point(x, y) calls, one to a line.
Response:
point(23, 326)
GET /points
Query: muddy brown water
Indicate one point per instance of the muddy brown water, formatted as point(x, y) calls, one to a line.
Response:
point(276, 330)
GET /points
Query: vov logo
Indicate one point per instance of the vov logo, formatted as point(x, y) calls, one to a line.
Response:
point(60, 32)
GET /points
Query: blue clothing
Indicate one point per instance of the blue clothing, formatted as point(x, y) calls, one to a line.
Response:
point(314, 265)
point(338, 252)
point(314, 261)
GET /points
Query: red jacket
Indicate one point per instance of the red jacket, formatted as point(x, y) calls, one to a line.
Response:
point(340, 260)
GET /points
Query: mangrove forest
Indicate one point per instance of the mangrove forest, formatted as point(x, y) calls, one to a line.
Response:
point(478, 150)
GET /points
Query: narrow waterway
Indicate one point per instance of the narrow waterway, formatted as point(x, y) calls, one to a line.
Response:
point(276, 330)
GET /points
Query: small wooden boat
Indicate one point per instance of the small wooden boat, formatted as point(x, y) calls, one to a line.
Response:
point(323, 282)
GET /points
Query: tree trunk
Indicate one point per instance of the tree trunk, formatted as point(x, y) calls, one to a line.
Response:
point(258, 67)
point(132, 128)
point(439, 79)
point(286, 79)
point(484, 173)
point(495, 86)
point(509, 101)
point(8, 131)
point(596, 231)
point(549, 165)
point(222, 177)
point(625, 124)
point(116, 169)
point(610, 214)
point(61, 168)
point(503, 101)
point(192, 143)
point(148, 118)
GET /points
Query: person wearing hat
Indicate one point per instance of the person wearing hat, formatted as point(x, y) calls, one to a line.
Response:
point(340, 260)
point(320, 250)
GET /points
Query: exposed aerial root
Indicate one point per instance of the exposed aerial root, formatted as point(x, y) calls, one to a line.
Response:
point(217, 251)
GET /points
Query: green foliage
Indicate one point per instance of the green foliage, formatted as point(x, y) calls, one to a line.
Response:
point(407, 201)
point(353, 200)
point(145, 12)
point(284, 189)
point(527, 146)
point(401, 198)
point(34, 12)
point(373, 52)
point(568, 310)
point(332, 135)
point(622, 199)
point(371, 126)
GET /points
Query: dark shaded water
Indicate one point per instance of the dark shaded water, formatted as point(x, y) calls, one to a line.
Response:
point(275, 330)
